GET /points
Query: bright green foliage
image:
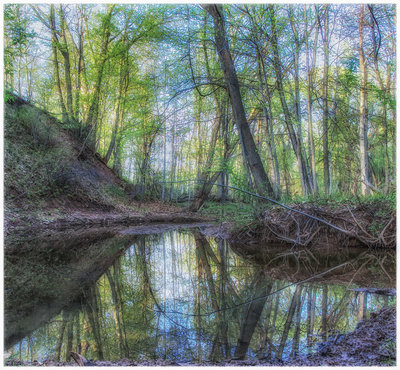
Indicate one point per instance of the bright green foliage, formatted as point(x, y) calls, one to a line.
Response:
point(149, 95)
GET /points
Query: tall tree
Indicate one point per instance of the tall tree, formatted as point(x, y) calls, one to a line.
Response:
point(363, 128)
point(306, 181)
point(325, 110)
point(261, 180)
point(310, 83)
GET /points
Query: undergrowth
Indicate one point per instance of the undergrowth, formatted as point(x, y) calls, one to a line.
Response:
point(243, 213)
point(31, 159)
point(238, 213)
point(341, 200)
point(40, 164)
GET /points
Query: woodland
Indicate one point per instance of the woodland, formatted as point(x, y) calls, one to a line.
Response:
point(286, 101)
point(200, 184)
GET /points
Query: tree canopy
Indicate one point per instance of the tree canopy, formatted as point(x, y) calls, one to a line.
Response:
point(282, 100)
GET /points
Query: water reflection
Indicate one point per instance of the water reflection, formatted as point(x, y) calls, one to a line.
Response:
point(178, 296)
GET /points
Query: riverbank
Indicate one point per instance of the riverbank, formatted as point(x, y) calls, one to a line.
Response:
point(369, 224)
point(372, 343)
point(19, 222)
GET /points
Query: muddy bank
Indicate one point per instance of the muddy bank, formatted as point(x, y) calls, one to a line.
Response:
point(306, 225)
point(32, 223)
point(372, 343)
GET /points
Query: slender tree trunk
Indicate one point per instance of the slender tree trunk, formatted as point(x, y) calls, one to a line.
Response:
point(265, 334)
point(93, 114)
point(70, 337)
point(205, 188)
point(296, 334)
point(93, 316)
point(304, 174)
point(252, 315)
point(63, 47)
point(295, 140)
point(324, 317)
point(267, 107)
point(325, 109)
point(77, 111)
point(363, 128)
point(78, 333)
point(54, 42)
point(261, 180)
point(310, 315)
point(311, 146)
point(289, 320)
point(61, 337)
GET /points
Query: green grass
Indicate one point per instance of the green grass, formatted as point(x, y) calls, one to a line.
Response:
point(32, 162)
point(238, 213)
point(41, 165)
point(339, 200)
point(241, 213)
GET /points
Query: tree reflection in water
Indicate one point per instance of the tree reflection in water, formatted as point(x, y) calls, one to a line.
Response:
point(186, 297)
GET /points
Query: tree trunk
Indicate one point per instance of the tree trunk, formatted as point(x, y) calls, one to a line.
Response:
point(311, 146)
point(289, 320)
point(295, 140)
point(267, 107)
point(304, 174)
point(261, 180)
point(116, 313)
point(363, 128)
point(310, 315)
point(252, 315)
point(70, 337)
point(324, 316)
point(93, 114)
point(78, 333)
point(61, 337)
point(296, 334)
point(77, 111)
point(325, 106)
point(63, 47)
point(54, 42)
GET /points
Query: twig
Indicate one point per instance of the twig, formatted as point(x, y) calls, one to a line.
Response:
point(269, 200)
point(361, 228)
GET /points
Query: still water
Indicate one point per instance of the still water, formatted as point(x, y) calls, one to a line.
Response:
point(181, 296)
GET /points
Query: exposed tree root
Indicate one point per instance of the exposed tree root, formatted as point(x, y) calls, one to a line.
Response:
point(365, 225)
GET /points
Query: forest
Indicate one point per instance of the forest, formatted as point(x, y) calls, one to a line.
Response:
point(288, 101)
point(199, 184)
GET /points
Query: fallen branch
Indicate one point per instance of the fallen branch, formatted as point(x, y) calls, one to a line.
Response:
point(79, 359)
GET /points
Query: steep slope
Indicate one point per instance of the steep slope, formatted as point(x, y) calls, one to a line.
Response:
point(53, 181)
point(48, 172)
point(46, 166)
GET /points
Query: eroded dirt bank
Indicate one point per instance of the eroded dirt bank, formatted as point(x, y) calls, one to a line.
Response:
point(372, 343)
point(371, 225)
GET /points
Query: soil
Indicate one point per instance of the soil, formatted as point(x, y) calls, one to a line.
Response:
point(370, 225)
point(78, 189)
point(372, 343)
point(56, 220)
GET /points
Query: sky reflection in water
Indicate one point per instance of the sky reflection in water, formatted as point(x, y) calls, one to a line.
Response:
point(178, 296)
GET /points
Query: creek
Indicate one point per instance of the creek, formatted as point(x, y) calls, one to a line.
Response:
point(181, 295)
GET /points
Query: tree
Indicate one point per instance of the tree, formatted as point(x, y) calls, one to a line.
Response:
point(250, 154)
point(363, 128)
